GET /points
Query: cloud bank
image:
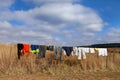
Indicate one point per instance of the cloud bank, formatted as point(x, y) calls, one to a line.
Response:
point(57, 22)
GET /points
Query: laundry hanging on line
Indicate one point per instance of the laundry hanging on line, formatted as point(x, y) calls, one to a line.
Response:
point(102, 52)
point(34, 49)
point(68, 50)
point(58, 49)
point(80, 52)
point(19, 47)
point(42, 51)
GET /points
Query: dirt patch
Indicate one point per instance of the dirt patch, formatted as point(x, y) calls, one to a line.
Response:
point(58, 78)
point(80, 76)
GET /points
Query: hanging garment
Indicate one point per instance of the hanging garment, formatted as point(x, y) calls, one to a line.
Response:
point(86, 50)
point(42, 51)
point(26, 49)
point(58, 49)
point(102, 52)
point(34, 49)
point(63, 51)
point(75, 50)
point(92, 50)
point(105, 52)
point(96, 49)
point(68, 50)
point(81, 53)
point(19, 48)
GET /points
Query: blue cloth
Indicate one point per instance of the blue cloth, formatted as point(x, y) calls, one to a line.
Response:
point(68, 50)
point(34, 47)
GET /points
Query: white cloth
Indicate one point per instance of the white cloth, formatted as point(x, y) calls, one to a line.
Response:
point(81, 53)
point(105, 52)
point(72, 53)
point(102, 52)
point(75, 50)
point(92, 50)
point(64, 52)
point(86, 50)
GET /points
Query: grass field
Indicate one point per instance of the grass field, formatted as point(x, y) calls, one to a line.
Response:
point(31, 68)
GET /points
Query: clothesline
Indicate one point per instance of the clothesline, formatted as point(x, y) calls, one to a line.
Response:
point(80, 52)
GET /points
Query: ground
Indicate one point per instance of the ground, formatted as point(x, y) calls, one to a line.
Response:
point(82, 76)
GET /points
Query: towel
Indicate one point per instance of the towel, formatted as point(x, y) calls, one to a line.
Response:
point(102, 52)
point(92, 50)
point(81, 53)
point(86, 50)
point(75, 50)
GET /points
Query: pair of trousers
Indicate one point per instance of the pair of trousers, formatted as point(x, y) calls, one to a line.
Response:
point(58, 50)
point(42, 51)
point(19, 48)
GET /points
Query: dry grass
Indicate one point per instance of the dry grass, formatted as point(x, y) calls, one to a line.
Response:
point(10, 65)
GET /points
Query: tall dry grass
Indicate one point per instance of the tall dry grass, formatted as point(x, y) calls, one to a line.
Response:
point(10, 65)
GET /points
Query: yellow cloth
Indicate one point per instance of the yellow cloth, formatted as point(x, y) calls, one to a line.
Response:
point(34, 51)
point(96, 49)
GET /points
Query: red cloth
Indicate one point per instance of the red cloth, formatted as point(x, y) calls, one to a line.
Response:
point(26, 49)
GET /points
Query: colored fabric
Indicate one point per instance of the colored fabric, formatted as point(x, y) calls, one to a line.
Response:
point(19, 48)
point(68, 50)
point(58, 50)
point(42, 51)
point(96, 49)
point(34, 49)
point(26, 49)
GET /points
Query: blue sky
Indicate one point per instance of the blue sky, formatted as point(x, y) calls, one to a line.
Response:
point(60, 22)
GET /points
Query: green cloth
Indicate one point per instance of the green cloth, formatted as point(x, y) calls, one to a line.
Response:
point(34, 51)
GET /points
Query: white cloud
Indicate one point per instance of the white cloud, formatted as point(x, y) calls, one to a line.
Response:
point(67, 21)
point(39, 2)
point(5, 25)
point(5, 3)
point(113, 35)
point(81, 17)
point(69, 14)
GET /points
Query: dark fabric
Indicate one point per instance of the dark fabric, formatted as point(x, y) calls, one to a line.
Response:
point(19, 48)
point(68, 50)
point(34, 47)
point(42, 51)
point(51, 48)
